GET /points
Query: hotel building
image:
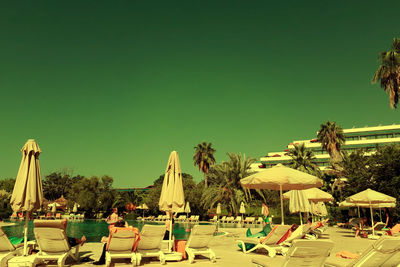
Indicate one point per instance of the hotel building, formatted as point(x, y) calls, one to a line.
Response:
point(367, 137)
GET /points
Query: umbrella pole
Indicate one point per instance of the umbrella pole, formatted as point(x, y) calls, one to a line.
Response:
point(358, 208)
point(170, 232)
point(26, 234)
point(283, 219)
point(380, 215)
point(372, 220)
point(301, 220)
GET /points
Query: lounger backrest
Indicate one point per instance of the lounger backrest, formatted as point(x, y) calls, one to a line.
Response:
point(223, 218)
point(276, 234)
point(308, 253)
point(121, 240)
point(151, 237)
point(50, 236)
point(200, 236)
point(299, 233)
point(238, 218)
point(379, 226)
point(395, 229)
point(5, 244)
point(381, 252)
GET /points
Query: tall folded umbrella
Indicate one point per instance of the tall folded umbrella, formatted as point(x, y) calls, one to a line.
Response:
point(28, 191)
point(242, 209)
point(298, 203)
point(187, 208)
point(172, 198)
point(75, 209)
point(281, 178)
point(370, 197)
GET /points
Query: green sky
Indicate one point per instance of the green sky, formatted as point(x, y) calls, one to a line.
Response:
point(112, 87)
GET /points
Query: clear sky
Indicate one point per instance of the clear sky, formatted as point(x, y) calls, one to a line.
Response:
point(112, 87)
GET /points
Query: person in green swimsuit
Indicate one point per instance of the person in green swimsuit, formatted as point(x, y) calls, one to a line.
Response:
point(267, 221)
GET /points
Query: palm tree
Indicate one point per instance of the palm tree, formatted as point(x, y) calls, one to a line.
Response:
point(204, 158)
point(224, 186)
point(331, 137)
point(388, 72)
point(303, 159)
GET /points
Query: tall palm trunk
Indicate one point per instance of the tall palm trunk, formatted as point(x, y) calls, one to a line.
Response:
point(205, 180)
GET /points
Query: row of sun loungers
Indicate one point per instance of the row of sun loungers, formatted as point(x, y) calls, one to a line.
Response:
point(302, 252)
point(162, 218)
point(237, 219)
point(53, 244)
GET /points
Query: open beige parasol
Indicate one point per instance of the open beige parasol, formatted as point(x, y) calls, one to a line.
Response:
point(172, 198)
point(314, 195)
point(281, 178)
point(28, 192)
point(370, 197)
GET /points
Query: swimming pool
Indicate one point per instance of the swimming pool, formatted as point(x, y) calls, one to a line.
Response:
point(95, 229)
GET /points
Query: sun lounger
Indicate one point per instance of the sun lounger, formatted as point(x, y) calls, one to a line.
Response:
point(269, 243)
point(181, 218)
point(214, 219)
point(299, 233)
point(249, 220)
point(52, 241)
point(222, 220)
point(190, 218)
point(377, 229)
point(229, 219)
point(395, 230)
point(304, 253)
point(120, 245)
point(7, 249)
point(159, 218)
point(149, 245)
point(383, 252)
point(259, 220)
point(238, 219)
point(197, 218)
point(198, 241)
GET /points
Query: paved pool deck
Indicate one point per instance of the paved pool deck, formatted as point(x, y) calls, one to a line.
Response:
point(228, 254)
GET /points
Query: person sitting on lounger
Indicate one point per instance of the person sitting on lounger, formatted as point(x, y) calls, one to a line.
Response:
point(267, 221)
point(71, 240)
point(106, 239)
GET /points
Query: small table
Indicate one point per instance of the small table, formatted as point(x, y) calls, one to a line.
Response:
point(180, 246)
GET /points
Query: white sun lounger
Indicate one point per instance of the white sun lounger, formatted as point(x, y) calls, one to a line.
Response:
point(120, 245)
point(198, 241)
point(149, 245)
point(53, 243)
point(269, 243)
point(7, 249)
point(214, 219)
point(238, 219)
point(311, 253)
point(384, 252)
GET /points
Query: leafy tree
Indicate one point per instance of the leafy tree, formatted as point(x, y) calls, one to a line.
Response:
point(7, 184)
point(331, 137)
point(56, 185)
point(204, 158)
point(379, 171)
point(224, 183)
point(303, 159)
point(388, 72)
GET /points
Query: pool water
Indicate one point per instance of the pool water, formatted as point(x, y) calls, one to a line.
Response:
point(95, 229)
